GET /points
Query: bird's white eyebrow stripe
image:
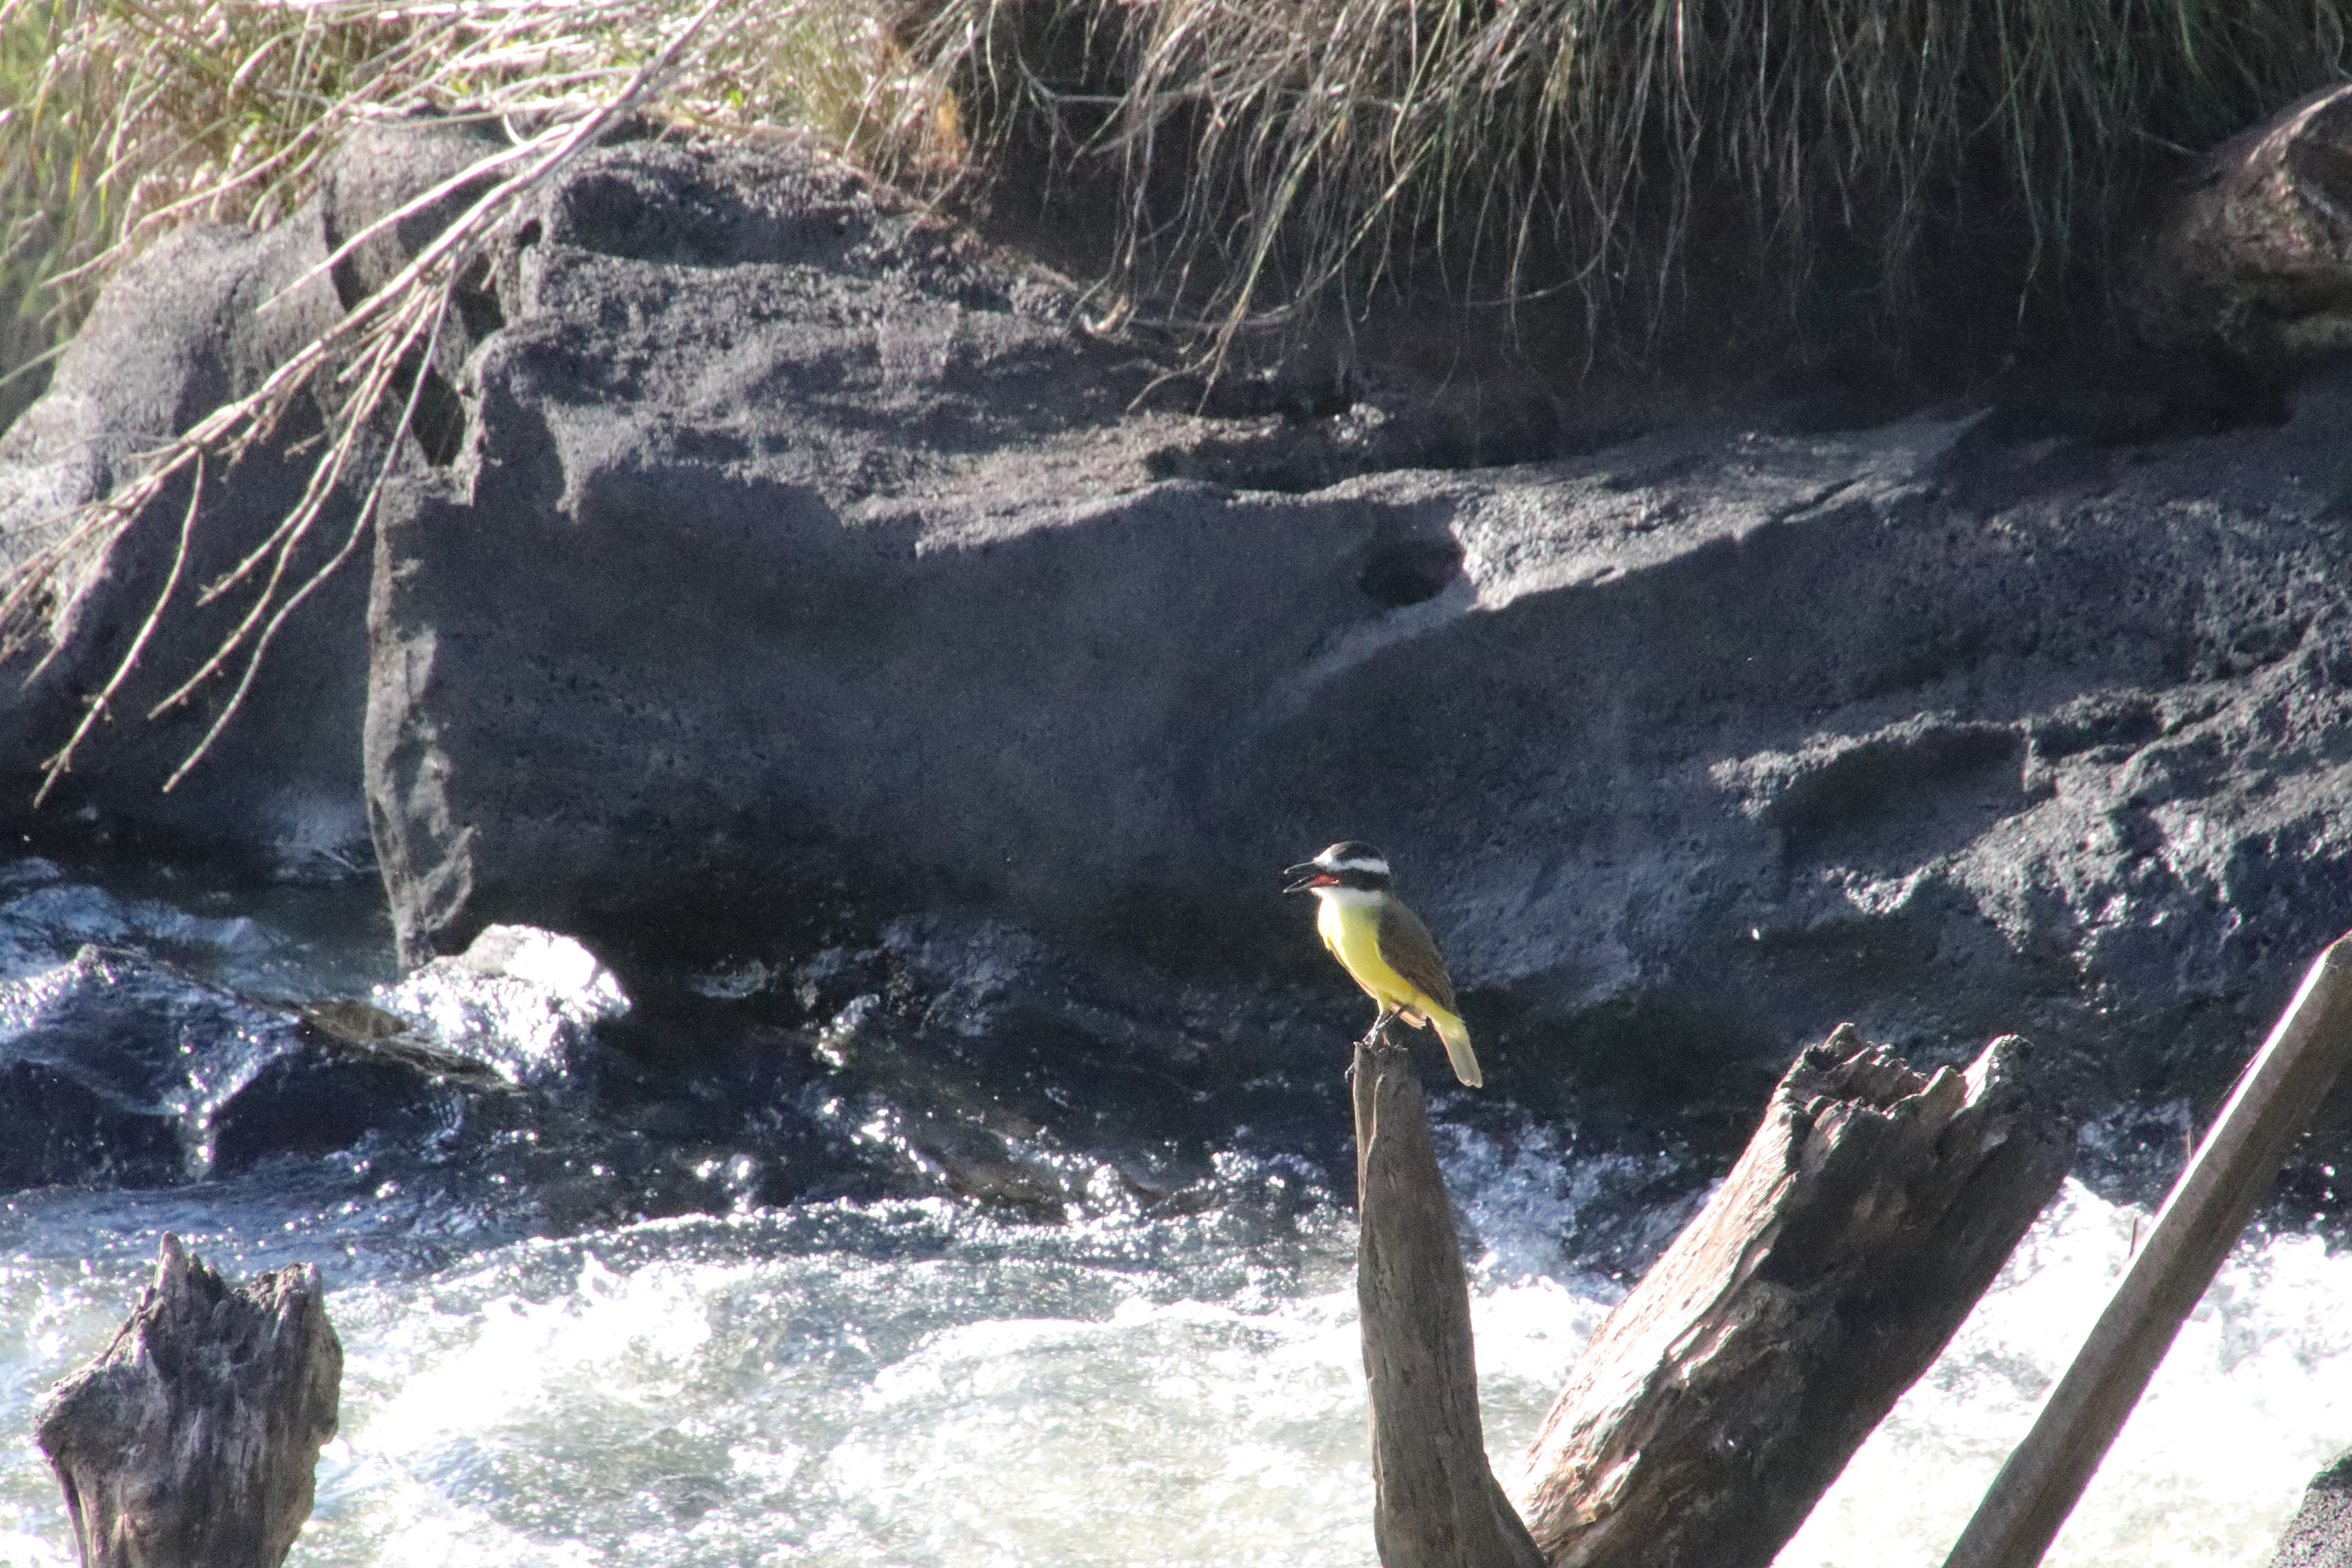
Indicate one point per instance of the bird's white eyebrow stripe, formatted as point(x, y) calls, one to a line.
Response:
point(1378, 867)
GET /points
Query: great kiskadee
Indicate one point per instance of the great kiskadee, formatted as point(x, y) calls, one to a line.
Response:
point(1383, 946)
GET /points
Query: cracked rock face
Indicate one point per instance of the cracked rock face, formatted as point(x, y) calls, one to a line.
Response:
point(777, 535)
point(1905, 725)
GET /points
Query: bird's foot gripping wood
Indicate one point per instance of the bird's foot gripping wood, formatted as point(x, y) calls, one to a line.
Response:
point(1378, 1033)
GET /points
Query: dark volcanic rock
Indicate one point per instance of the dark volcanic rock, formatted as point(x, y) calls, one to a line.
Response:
point(790, 540)
point(118, 1069)
point(312, 1099)
point(519, 1070)
point(445, 1048)
point(525, 1002)
point(833, 353)
point(56, 1129)
point(781, 546)
point(178, 335)
point(130, 1061)
point(182, 332)
point(2320, 1533)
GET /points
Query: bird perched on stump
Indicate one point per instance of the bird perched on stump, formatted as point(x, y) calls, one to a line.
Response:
point(1383, 946)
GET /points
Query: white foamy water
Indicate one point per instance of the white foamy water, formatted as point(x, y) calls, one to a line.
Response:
point(925, 1384)
point(2255, 1396)
point(918, 1383)
point(726, 1406)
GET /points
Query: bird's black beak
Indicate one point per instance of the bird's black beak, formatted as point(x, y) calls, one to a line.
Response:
point(1309, 875)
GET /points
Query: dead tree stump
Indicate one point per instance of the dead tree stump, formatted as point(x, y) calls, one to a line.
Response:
point(192, 1441)
point(1714, 1405)
point(1435, 1503)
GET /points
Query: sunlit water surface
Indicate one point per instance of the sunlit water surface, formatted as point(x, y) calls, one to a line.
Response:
point(918, 1383)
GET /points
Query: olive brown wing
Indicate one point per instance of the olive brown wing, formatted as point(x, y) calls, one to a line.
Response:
point(1410, 949)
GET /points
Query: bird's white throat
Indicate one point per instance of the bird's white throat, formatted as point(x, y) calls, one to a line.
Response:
point(1355, 897)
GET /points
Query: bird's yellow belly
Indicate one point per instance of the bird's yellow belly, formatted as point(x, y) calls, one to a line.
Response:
point(1352, 933)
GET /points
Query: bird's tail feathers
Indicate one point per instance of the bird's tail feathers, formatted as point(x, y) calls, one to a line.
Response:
point(1457, 1048)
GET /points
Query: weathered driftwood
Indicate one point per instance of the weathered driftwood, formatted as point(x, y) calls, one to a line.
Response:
point(1435, 1503)
point(1715, 1405)
point(192, 1441)
point(2252, 251)
point(2201, 1220)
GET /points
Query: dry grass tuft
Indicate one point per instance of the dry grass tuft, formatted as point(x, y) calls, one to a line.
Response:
point(119, 118)
point(1285, 155)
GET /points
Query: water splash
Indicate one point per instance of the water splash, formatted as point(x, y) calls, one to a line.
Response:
point(928, 1381)
point(2255, 1396)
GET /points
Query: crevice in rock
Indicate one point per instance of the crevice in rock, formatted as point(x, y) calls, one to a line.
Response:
point(1294, 455)
point(439, 421)
point(1884, 773)
point(2136, 398)
point(2125, 721)
point(1410, 571)
point(476, 297)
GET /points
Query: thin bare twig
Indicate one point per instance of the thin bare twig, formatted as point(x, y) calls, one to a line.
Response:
point(56, 765)
point(333, 563)
point(403, 316)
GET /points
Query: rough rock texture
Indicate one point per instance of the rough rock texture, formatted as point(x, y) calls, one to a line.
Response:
point(141, 1046)
point(152, 1054)
point(182, 332)
point(195, 1438)
point(525, 1002)
point(2252, 251)
point(2320, 1533)
point(56, 1129)
point(847, 386)
point(791, 540)
point(118, 1068)
point(748, 563)
point(172, 340)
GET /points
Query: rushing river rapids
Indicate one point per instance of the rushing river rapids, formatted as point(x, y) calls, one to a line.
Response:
point(853, 1370)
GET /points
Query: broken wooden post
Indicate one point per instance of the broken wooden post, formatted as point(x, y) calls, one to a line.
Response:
point(1713, 1407)
point(1435, 1503)
point(192, 1441)
point(2201, 1220)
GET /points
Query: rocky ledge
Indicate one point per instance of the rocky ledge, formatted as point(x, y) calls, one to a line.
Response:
point(768, 535)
